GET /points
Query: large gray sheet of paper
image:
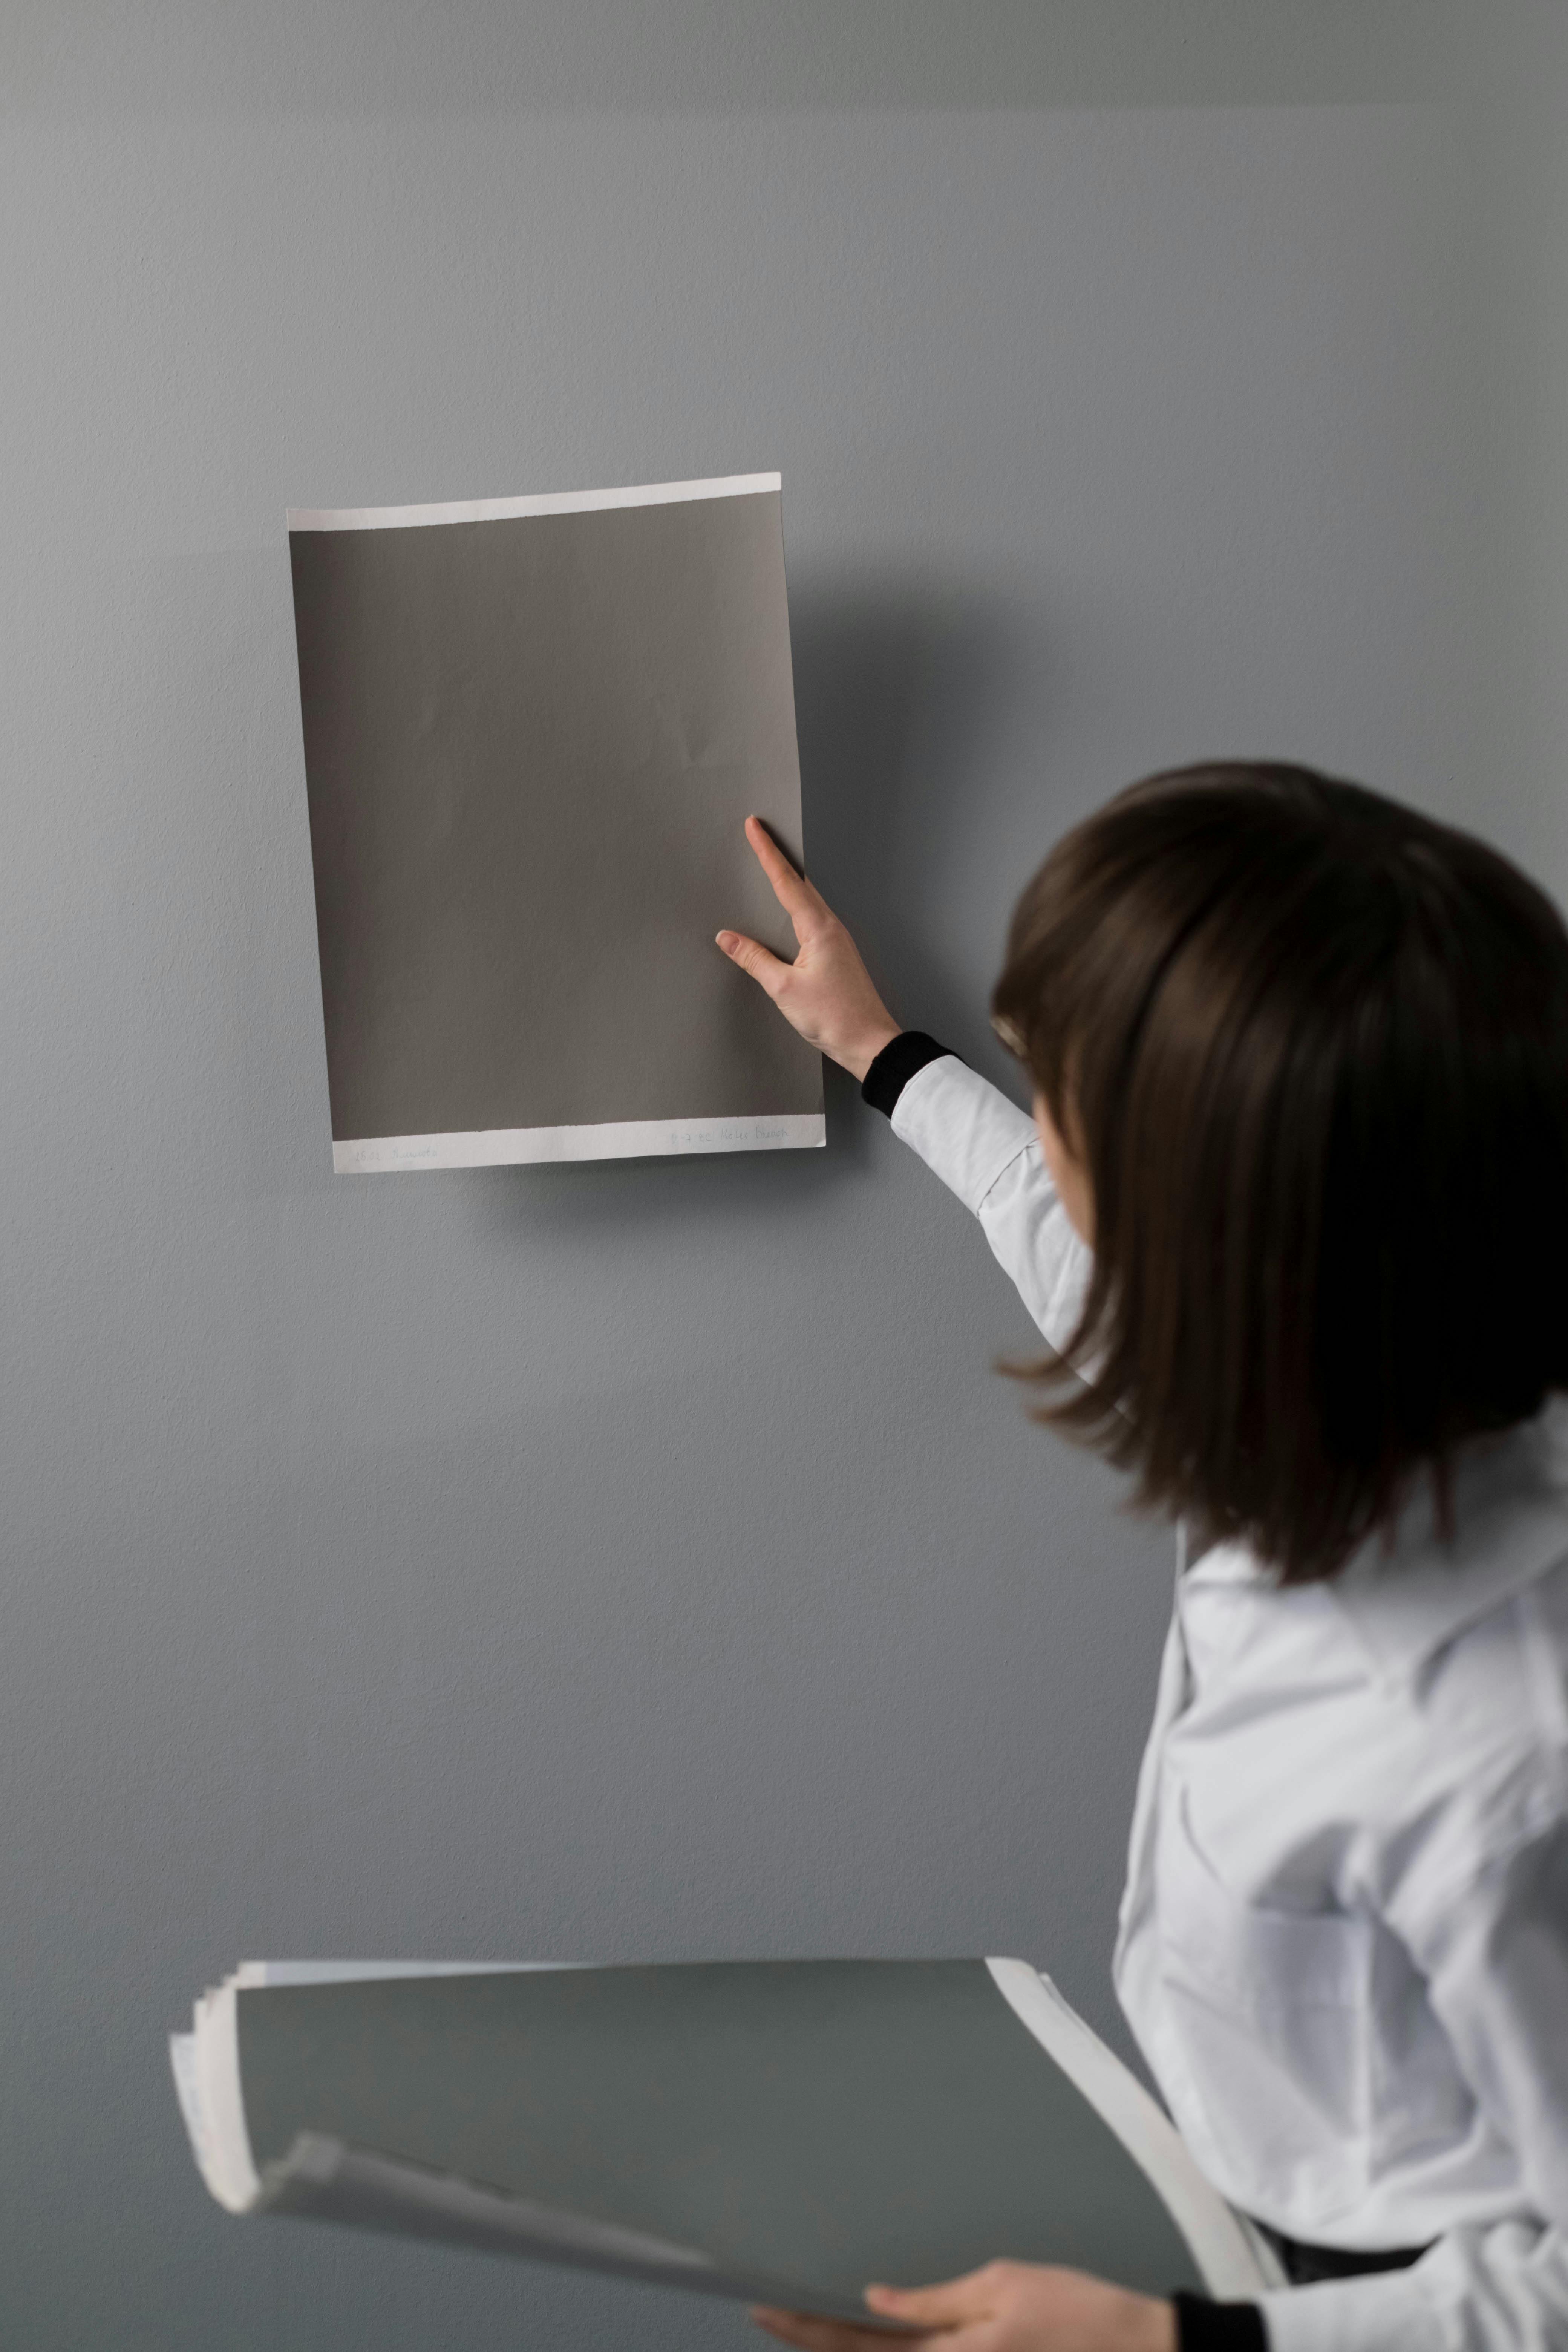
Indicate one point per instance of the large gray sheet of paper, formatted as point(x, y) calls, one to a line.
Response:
point(794, 2128)
point(533, 728)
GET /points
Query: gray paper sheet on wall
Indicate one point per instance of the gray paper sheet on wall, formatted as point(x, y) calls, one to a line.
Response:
point(534, 728)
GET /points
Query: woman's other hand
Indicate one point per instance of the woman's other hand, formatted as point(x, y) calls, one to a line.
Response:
point(1005, 2307)
point(826, 992)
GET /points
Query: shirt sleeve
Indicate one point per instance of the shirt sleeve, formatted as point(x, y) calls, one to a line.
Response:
point(1495, 1956)
point(986, 1150)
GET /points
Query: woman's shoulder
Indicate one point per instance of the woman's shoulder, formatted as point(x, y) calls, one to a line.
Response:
point(1461, 1563)
point(1465, 1636)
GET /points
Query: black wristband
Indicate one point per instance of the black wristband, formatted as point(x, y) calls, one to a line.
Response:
point(1205, 2326)
point(895, 1065)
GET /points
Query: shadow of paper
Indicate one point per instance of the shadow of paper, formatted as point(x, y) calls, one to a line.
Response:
point(900, 697)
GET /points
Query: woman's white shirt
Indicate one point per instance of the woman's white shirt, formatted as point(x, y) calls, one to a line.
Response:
point(1343, 1942)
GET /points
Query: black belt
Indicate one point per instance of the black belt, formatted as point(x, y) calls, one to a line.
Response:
point(1205, 2326)
point(1304, 2266)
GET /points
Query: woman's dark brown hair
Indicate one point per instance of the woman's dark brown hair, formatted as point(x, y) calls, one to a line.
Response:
point(1311, 1049)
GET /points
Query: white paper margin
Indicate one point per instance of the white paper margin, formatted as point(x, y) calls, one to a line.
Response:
point(205, 2061)
point(647, 494)
point(1235, 2262)
point(207, 2077)
point(627, 1139)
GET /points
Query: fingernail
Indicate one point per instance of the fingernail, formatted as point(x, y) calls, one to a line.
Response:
point(726, 939)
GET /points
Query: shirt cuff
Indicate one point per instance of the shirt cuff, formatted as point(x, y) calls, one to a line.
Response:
point(968, 1132)
point(896, 1065)
point(1205, 2326)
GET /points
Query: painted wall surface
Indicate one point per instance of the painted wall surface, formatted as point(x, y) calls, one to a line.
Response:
point(643, 1561)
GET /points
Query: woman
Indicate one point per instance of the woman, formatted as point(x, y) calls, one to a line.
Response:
point(1292, 1213)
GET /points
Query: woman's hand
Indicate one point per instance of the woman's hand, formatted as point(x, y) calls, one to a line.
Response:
point(1005, 2307)
point(827, 992)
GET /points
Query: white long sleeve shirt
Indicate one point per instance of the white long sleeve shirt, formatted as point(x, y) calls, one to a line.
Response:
point(1343, 1942)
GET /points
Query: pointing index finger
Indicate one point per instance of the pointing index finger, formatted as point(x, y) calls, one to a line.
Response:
point(794, 893)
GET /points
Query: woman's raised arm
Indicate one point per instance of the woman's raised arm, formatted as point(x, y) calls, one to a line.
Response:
point(982, 1145)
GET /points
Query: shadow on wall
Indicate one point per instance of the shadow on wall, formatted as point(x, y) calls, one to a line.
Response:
point(899, 697)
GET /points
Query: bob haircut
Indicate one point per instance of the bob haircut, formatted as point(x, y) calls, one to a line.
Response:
point(1311, 1049)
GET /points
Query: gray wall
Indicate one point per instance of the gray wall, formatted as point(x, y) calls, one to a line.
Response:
point(642, 1561)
